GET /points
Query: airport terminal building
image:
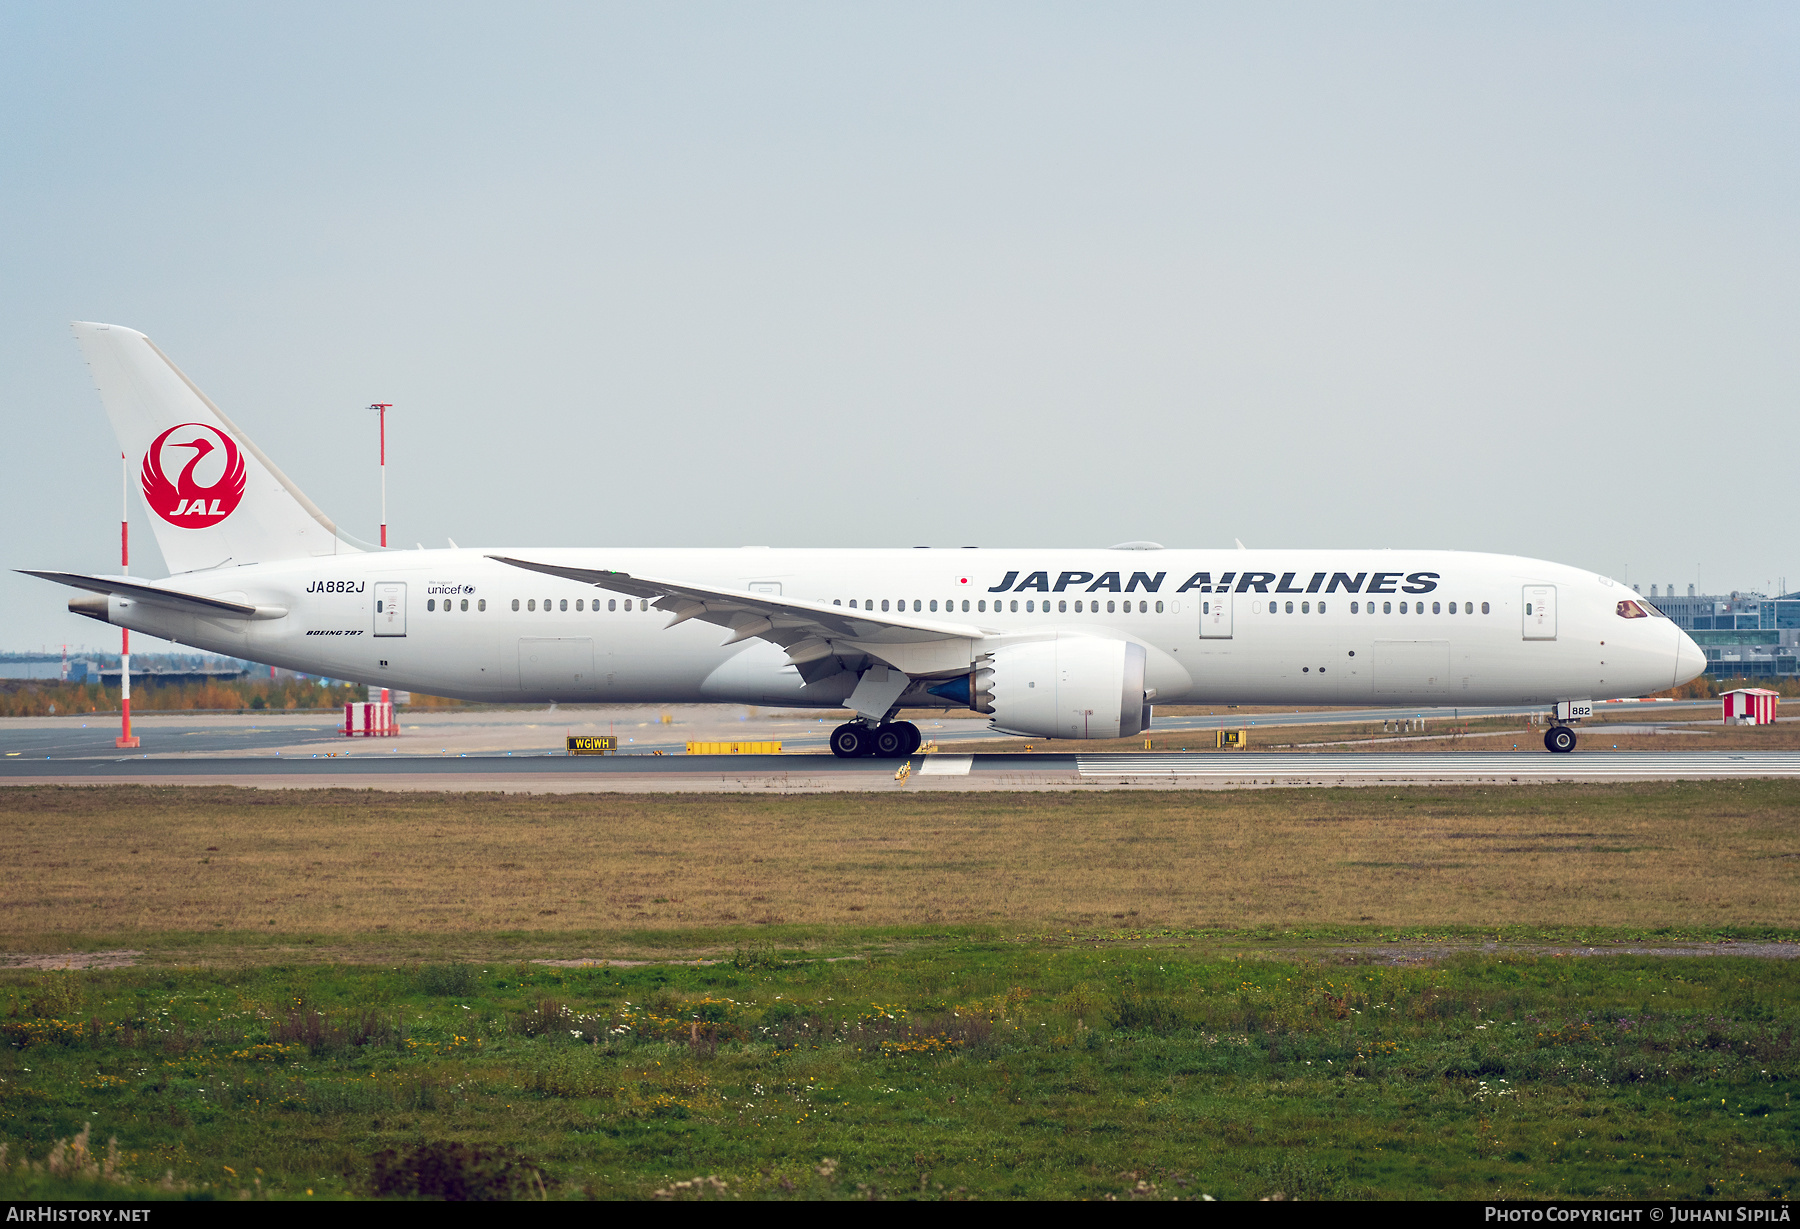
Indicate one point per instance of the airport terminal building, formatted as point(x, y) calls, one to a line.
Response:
point(1744, 635)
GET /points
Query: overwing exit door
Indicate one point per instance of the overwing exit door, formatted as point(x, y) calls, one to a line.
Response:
point(390, 609)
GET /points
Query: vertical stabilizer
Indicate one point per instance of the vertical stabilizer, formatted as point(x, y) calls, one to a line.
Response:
point(215, 500)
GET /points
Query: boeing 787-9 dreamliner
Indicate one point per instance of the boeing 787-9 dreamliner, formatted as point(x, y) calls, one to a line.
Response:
point(1053, 643)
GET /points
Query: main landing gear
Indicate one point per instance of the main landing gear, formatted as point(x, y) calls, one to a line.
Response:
point(1559, 738)
point(891, 740)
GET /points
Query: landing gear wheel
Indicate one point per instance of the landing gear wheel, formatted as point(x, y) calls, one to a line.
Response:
point(851, 740)
point(891, 742)
point(1560, 739)
point(913, 737)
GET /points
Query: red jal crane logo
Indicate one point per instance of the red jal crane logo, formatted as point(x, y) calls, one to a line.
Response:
point(185, 501)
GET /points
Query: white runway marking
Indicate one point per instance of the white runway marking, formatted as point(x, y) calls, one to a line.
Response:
point(1450, 766)
point(946, 765)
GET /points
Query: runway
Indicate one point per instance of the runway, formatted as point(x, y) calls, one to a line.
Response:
point(434, 732)
point(1440, 767)
point(824, 774)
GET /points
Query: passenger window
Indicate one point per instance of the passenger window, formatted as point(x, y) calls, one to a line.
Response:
point(481, 605)
point(1159, 609)
point(1144, 607)
point(1305, 607)
point(612, 603)
point(564, 604)
point(431, 604)
point(1078, 607)
point(981, 606)
point(1109, 608)
point(1205, 607)
point(531, 603)
point(1402, 607)
point(1290, 608)
point(934, 605)
point(1015, 607)
point(1321, 611)
point(884, 604)
point(1061, 606)
point(1386, 608)
point(1029, 606)
point(1355, 608)
point(916, 605)
point(838, 601)
point(1469, 608)
point(579, 604)
point(515, 603)
point(1527, 607)
point(1484, 608)
point(966, 605)
point(465, 603)
point(853, 604)
point(1434, 608)
point(1272, 607)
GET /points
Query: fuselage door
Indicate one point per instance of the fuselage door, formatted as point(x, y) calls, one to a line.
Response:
point(390, 608)
point(1215, 617)
point(557, 667)
point(1540, 612)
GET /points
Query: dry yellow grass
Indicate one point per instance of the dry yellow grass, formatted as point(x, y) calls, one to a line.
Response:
point(119, 861)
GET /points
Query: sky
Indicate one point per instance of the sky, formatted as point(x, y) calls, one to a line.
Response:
point(1504, 277)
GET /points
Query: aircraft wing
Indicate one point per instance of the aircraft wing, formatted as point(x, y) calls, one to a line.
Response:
point(809, 631)
point(119, 586)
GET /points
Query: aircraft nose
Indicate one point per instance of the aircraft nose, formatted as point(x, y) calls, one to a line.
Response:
point(1690, 662)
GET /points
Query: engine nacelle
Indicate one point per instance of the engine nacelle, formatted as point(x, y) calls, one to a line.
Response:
point(1070, 687)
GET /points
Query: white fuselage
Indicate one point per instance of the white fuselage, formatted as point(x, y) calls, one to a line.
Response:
point(1301, 627)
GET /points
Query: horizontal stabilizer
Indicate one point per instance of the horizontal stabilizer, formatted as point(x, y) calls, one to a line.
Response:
point(118, 586)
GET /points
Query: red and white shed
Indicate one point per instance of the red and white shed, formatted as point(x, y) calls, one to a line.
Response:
point(1750, 706)
point(369, 718)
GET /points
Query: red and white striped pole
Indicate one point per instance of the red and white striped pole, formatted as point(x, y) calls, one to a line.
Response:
point(125, 738)
point(381, 408)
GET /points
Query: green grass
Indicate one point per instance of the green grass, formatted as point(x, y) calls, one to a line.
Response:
point(936, 1068)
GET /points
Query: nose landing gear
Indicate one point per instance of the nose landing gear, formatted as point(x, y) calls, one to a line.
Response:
point(891, 740)
point(1560, 739)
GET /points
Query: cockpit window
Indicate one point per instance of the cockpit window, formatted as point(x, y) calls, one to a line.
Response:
point(1651, 609)
point(1631, 610)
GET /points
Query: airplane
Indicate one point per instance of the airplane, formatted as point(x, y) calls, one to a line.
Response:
point(1051, 643)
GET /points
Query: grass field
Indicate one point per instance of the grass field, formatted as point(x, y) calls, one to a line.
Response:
point(954, 1069)
point(346, 994)
point(101, 865)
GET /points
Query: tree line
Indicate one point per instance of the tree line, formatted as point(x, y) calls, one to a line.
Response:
point(50, 698)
